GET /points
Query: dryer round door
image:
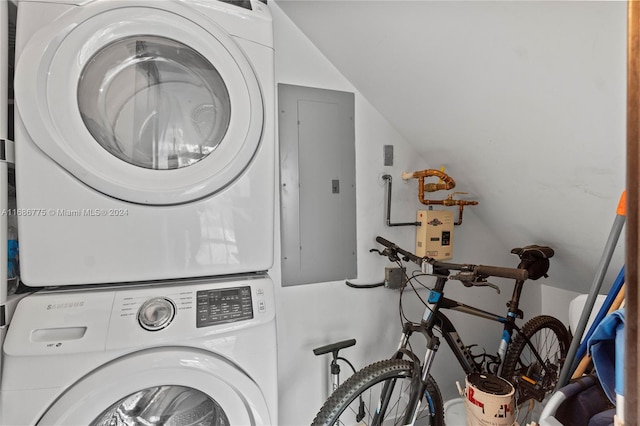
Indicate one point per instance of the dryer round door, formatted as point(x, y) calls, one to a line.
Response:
point(148, 104)
point(169, 386)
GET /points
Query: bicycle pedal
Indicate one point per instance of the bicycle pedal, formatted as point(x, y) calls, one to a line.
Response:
point(531, 387)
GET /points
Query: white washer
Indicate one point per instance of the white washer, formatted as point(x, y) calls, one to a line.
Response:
point(144, 139)
point(203, 350)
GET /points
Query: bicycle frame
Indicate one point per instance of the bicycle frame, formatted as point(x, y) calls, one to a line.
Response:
point(433, 317)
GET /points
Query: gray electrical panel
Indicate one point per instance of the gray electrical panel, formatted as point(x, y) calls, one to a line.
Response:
point(317, 184)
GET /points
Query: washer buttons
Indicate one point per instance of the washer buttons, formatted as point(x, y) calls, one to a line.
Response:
point(156, 314)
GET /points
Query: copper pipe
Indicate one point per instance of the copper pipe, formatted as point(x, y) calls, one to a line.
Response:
point(459, 221)
point(632, 257)
point(448, 182)
point(448, 202)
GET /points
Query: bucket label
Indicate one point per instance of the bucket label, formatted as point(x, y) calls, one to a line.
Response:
point(503, 410)
point(488, 409)
point(471, 392)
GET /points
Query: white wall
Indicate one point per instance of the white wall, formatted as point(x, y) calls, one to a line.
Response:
point(313, 315)
point(524, 104)
point(523, 101)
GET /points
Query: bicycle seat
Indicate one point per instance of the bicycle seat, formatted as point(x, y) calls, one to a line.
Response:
point(534, 251)
point(535, 259)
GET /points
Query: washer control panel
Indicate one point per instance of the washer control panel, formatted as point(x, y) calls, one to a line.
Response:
point(192, 312)
point(219, 306)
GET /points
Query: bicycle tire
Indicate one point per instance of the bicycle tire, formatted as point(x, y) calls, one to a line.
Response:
point(345, 399)
point(551, 340)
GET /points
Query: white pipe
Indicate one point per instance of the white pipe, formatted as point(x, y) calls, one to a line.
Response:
point(619, 420)
point(552, 405)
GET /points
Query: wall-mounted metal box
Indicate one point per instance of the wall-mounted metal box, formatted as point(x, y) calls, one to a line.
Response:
point(317, 184)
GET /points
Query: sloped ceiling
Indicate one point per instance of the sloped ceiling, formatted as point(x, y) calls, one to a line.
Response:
point(522, 102)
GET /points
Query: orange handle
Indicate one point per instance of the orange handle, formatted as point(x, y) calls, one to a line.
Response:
point(622, 204)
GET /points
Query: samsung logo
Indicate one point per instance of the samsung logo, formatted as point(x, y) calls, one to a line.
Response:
point(65, 305)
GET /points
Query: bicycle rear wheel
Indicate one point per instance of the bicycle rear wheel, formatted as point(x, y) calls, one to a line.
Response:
point(531, 379)
point(356, 400)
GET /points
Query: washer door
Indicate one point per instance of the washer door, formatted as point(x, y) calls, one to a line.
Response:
point(169, 386)
point(147, 105)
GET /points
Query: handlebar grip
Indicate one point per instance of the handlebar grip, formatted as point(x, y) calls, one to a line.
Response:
point(384, 242)
point(495, 271)
point(394, 247)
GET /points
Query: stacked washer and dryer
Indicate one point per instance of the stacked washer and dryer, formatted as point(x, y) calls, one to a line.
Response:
point(145, 173)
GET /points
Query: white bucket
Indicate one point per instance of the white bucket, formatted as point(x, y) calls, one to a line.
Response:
point(489, 401)
point(455, 413)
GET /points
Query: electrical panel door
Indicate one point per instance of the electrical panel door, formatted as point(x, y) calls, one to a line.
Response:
point(317, 184)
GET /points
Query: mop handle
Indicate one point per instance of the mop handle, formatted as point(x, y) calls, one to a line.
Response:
point(609, 248)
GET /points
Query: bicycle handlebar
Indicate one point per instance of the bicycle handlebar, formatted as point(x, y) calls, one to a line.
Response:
point(497, 271)
point(388, 244)
point(479, 270)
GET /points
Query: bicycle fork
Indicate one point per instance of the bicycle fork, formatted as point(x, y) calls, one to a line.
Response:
point(419, 380)
point(420, 375)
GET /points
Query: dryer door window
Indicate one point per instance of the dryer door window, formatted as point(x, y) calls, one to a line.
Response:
point(167, 405)
point(146, 105)
point(154, 102)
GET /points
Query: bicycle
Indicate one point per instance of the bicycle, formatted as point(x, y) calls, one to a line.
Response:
point(401, 390)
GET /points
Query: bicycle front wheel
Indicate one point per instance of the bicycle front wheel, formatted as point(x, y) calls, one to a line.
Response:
point(551, 341)
point(356, 401)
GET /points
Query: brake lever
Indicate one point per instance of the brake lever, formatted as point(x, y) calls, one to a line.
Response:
point(469, 279)
point(487, 284)
point(391, 254)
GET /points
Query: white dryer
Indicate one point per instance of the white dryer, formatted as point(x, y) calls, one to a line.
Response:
point(199, 353)
point(144, 139)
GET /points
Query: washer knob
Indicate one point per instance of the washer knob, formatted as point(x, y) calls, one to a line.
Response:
point(157, 313)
